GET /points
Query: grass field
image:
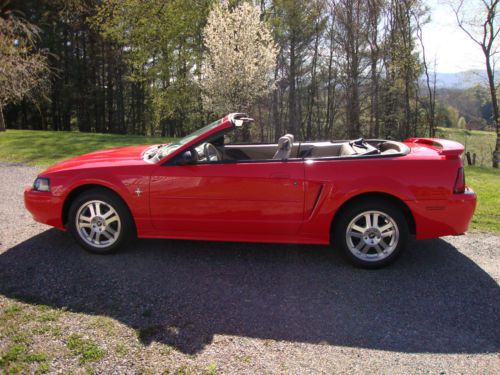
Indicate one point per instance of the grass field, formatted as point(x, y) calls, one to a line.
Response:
point(44, 148)
point(486, 184)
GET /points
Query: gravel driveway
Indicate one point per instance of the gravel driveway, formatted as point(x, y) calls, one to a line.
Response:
point(247, 308)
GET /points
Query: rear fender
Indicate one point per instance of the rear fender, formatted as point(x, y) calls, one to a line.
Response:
point(334, 196)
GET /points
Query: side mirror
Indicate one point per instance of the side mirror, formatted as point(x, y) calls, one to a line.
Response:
point(186, 158)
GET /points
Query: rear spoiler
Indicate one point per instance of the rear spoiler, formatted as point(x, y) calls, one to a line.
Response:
point(442, 146)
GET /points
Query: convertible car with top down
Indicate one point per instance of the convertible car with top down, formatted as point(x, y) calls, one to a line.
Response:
point(365, 197)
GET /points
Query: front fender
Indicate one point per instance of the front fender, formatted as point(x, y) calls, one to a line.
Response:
point(133, 190)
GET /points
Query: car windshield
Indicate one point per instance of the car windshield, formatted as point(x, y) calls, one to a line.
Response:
point(171, 147)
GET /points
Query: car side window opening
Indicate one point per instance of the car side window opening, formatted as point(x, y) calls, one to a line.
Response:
point(221, 149)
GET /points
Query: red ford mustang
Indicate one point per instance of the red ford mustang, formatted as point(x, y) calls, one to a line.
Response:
point(364, 196)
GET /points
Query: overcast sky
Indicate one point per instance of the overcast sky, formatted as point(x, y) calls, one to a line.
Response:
point(446, 43)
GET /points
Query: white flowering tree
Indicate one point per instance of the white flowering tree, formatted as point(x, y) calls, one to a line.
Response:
point(241, 56)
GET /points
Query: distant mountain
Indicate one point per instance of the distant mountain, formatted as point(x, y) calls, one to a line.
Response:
point(462, 80)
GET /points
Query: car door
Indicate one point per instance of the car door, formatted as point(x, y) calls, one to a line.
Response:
point(242, 198)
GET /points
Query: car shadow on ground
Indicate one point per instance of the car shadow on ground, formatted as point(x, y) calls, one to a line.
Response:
point(182, 293)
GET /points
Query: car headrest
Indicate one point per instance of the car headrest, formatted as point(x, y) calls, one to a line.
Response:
point(284, 143)
point(291, 137)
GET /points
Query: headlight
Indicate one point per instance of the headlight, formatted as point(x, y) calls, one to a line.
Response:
point(41, 184)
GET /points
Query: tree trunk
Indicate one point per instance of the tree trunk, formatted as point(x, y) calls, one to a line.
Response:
point(494, 101)
point(330, 89)
point(352, 26)
point(374, 113)
point(275, 115)
point(374, 17)
point(292, 99)
point(110, 90)
point(2, 121)
point(313, 89)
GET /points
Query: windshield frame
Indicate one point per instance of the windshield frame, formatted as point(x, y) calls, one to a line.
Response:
point(196, 137)
point(183, 141)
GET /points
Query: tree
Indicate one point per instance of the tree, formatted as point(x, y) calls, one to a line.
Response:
point(484, 33)
point(240, 59)
point(352, 23)
point(402, 68)
point(22, 68)
point(430, 82)
point(163, 45)
point(294, 26)
point(375, 9)
point(319, 22)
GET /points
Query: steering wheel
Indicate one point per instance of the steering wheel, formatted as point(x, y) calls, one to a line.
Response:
point(210, 152)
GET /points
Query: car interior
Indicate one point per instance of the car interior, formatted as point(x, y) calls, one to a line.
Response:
point(287, 149)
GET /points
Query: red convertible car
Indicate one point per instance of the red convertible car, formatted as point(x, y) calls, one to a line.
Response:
point(364, 196)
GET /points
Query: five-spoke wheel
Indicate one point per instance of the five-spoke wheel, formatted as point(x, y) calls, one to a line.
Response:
point(371, 233)
point(99, 220)
point(98, 223)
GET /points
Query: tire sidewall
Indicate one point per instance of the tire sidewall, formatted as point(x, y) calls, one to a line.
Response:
point(112, 200)
point(350, 212)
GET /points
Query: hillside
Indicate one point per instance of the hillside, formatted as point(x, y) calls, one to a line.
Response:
point(462, 80)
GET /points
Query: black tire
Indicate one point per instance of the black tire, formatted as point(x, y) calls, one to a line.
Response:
point(124, 223)
point(356, 213)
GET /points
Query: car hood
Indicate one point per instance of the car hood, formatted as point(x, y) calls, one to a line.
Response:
point(122, 156)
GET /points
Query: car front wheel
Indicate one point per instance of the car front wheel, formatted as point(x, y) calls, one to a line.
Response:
point(99, 221)
point(371, 234)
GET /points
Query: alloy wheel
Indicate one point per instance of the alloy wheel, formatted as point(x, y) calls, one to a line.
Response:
point(98, 223)
point(372, 236)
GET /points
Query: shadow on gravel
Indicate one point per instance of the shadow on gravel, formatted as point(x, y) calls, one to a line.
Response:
point(182, 293)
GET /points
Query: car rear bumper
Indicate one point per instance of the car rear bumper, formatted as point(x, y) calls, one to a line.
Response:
point(44, 207)
point(436, 218)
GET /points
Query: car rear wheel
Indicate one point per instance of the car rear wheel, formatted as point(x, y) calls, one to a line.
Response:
point(371, 234)
point(99, 221)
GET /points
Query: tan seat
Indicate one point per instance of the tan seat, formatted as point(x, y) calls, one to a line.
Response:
point(389, 147)
point(326, 149)
point(347, 150)
point(389, 151)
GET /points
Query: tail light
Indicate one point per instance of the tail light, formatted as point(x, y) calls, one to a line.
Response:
point(460, 182)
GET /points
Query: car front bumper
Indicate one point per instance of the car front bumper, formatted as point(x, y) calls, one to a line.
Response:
point(44, 207)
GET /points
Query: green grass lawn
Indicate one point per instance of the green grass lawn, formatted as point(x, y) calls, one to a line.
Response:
point(486, 184)
point(45, 147)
